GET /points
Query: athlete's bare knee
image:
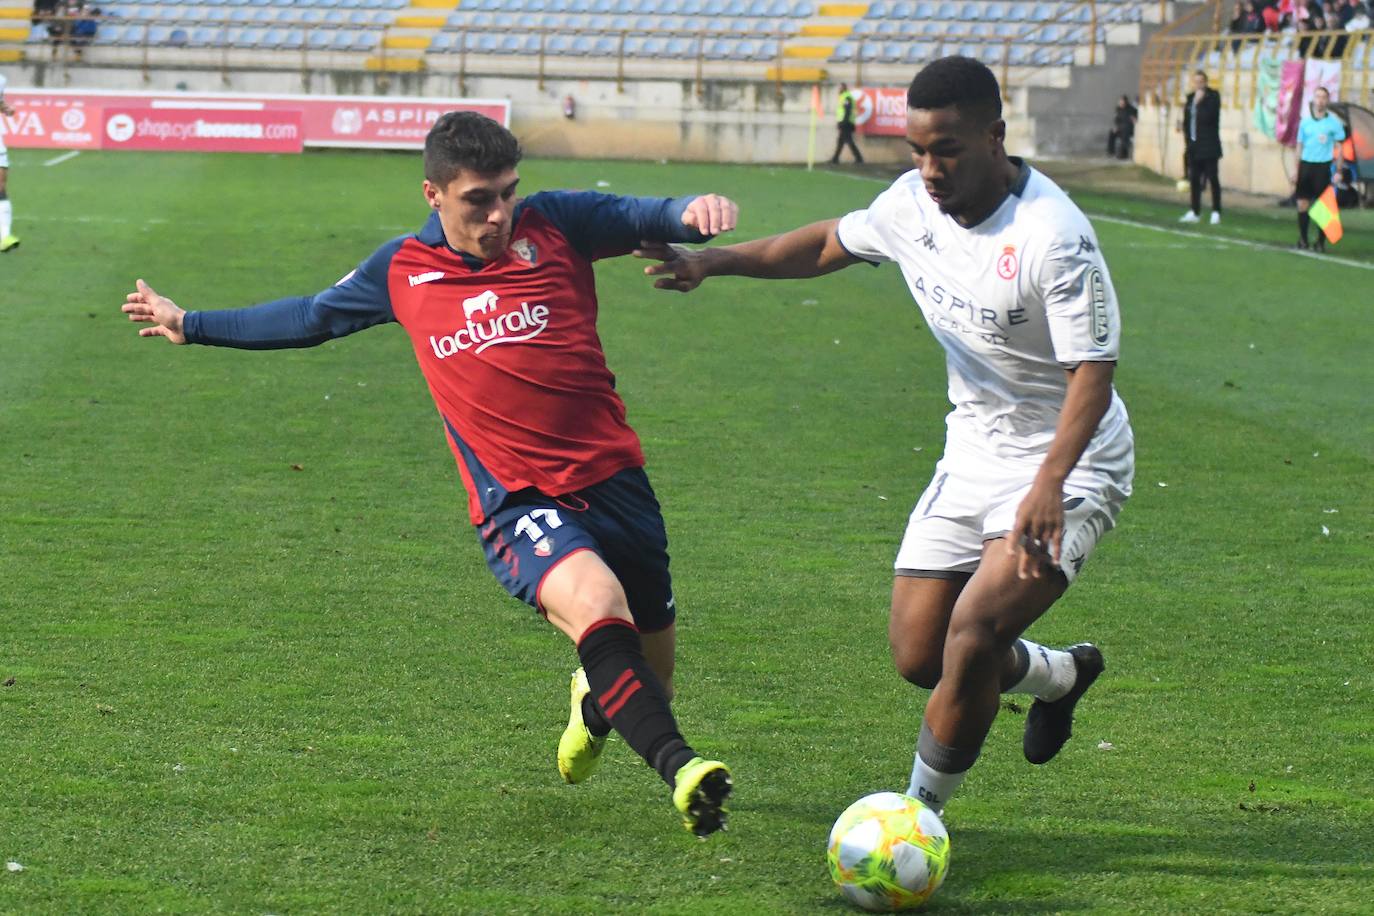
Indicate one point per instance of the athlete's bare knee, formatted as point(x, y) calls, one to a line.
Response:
point(921, 665)
point(974, 648)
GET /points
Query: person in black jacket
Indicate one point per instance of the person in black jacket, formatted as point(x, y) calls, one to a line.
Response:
point(1123, 129)
point(1202, 145)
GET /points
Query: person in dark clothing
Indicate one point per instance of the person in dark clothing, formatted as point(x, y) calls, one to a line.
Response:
point(1202, 146)
point(844, 121)
point(1123, 129)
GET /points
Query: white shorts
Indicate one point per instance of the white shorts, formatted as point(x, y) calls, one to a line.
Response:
point(4, 156)
point(973, 498)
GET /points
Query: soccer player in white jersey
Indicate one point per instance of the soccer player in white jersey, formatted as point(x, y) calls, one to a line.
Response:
point(1038, 454)
point(8, 242)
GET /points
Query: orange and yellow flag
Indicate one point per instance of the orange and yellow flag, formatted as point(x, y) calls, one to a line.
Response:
point(1327, 215)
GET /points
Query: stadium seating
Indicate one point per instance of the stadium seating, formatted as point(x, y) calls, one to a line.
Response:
point(732, 35)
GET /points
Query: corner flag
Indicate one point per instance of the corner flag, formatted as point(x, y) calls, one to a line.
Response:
point(1327, 215)
point(811, 139)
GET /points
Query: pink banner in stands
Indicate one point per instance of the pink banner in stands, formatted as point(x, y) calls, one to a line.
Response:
point(63, 119)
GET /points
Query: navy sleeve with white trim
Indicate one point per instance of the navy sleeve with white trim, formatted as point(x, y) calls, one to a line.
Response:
point(608, 225)
point(358, 301)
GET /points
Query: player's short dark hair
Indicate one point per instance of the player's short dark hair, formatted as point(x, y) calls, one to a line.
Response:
point(963, 82)
point(467, 140)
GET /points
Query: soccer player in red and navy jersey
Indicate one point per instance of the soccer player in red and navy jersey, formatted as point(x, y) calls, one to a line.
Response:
point(498, 297)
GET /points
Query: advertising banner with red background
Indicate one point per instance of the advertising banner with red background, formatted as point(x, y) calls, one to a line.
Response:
point(880, 111)
point(202, 130)
point(62, 119)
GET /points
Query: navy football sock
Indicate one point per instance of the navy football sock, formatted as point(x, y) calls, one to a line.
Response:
point(630, 696)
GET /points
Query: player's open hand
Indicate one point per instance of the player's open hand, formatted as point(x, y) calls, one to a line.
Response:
point(711, 214)
point(1036, 538)
point(165, 316)
point(681, 269)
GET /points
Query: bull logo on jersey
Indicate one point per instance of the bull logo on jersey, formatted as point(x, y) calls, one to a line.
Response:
point(524, 250)
point(487, 326)
point(1006, 264)
point(480, 304)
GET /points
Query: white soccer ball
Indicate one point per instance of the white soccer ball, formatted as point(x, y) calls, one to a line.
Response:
point(888, 852)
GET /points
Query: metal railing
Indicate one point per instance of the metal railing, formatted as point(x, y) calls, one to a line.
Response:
point(1232, 62)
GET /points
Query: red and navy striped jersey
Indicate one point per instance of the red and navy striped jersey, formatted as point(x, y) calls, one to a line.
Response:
point(508, 347)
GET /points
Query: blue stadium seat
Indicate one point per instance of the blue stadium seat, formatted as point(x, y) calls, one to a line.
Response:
point(947, 11)
point(201, 37)
point(692, 7)
point(653, 46)
point(131, 35)
point(680, 47)
point(624, 7)
point(294, 40)
point(509, 44)
point(888, 27)
point(718, 48)
point(901, 10)
point(716, 8)
point(264, 14)
point(802, 9)
point(918, 52)
point(877, 10)
point(581, 45)
point(742, 50)
point(242, 14)
point(272, 38)
point(1018, 12)
point(559, 6)
point(1042, 12)
point(245, 37)
point(844, 52)
point(319, 38)
point(912, 27)
point(558, 44)
point(444, 42)
point(344, 39)
point(668, 7)
point(864, 27)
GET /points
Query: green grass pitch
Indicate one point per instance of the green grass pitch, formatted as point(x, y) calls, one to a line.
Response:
point(258, 664)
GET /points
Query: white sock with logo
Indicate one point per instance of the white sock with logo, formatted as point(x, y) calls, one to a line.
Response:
point(931, 787)
point(5, 218)
point(937, 770)
point(1050, 673)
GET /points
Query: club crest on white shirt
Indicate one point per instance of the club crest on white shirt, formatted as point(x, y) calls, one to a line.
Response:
point(1006, 264)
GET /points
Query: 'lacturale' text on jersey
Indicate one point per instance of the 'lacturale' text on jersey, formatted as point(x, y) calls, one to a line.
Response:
point(1014, 300)
point(508, 347)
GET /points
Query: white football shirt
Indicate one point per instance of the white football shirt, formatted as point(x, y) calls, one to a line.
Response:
point(1014, 301)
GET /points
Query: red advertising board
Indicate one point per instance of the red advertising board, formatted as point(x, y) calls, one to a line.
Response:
point(203, 130)
point(880, 111)
point(45, 118)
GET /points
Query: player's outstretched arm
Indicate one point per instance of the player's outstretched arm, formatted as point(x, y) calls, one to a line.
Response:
point(1038, 532)
point(806, 252)
point(146, 306)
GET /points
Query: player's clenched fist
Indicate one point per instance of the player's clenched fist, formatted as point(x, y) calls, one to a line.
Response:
point(711, 214)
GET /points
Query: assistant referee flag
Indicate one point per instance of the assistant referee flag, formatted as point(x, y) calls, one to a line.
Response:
point(1327, 215)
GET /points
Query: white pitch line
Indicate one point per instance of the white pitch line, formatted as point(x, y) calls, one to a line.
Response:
point(1224, 240)
point(1182, 233)
point(63, 158)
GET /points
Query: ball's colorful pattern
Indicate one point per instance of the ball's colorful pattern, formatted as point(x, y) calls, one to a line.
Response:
point(888, 852)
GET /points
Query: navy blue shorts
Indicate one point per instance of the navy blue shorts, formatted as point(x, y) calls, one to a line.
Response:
point(619, 519)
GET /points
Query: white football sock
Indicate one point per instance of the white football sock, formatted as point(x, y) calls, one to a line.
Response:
point(1050, 675)
point(5, 218)
point(931, 787)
